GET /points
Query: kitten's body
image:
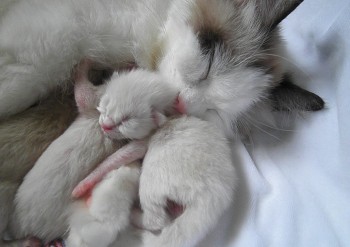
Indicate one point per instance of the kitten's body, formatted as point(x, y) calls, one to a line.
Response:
point(43, 201)
point(188, 161)
point(23, 138)
point(98, 222)
point(223, 56)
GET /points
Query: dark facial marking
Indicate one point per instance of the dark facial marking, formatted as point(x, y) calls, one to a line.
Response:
point(209, 40)
point(288, 97)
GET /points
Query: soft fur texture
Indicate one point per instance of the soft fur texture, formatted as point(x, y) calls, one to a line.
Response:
point(43, 201)
point(23, 138)
point(223, 56)
point(108, 213)
point(135, 103)
point(198, 153)
point(188, 161)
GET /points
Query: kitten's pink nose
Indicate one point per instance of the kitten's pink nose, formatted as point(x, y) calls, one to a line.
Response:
point(108, 124)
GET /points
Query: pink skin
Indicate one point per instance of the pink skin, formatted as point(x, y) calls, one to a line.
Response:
point(180, 105)
point(131, 152)
point(82, 91)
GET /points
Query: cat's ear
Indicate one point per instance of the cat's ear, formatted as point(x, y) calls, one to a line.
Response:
point(269, 12)
point(290, 97)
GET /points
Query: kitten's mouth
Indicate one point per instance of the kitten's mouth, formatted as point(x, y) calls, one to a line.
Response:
point(180, 105)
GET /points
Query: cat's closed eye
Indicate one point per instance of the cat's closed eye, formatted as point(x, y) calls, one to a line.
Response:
point(209, 41)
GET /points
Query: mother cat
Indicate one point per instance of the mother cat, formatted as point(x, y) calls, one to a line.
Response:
point(223, 55)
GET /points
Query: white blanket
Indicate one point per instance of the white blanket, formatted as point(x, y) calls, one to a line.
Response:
point(295, 184)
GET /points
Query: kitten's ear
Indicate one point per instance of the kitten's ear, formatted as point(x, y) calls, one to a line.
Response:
point(270, 12)
point(289, 97)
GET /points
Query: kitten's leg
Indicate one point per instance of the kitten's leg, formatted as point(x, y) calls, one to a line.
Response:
point(133, 151)
point(108, 214)
point(154, 215)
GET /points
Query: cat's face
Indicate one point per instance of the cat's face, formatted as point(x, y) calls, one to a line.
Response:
point(134, 103)
point(221, 55)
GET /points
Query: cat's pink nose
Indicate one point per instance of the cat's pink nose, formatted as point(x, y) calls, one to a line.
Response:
point(180, 105)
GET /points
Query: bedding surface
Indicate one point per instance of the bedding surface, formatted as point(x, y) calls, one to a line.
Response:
point(295, 181)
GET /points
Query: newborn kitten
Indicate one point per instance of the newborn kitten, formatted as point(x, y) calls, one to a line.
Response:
point(98, 220)
point(188, 163)
point(223, 56)
point(23, 138)
point(43, 201)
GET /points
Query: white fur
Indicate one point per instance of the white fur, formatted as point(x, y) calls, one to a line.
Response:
point(43, 200)
point(41, 40)
point(108, 213)
point(24, 137)
point(188, 161)
point(131, 100)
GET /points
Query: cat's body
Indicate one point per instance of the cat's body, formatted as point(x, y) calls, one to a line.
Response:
point(188, 162)
point(23, 138)
point(43, 201)
point(223, 56)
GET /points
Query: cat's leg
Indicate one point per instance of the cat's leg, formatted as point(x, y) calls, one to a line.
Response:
point(16, 92)
point(99, 222)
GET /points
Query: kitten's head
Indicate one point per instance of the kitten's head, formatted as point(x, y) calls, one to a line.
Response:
point(223, 55)
point(134, 104)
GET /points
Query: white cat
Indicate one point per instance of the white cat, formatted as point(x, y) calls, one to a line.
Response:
point(43, 201)
point(222, 56)
point(187, 177)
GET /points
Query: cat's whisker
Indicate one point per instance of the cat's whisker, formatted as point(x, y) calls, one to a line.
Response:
point(291, 62)
point(261, 129)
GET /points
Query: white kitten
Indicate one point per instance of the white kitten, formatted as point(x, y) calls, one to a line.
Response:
point(23, 138)
point(135, 103)
point(188, 162)
point(99, 222)
point(187, 178)
point(43, 200)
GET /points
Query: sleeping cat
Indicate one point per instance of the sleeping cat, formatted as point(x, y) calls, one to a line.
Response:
point(187, 177)
point(222, 56)
point(43, 201)
point(23, 138)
